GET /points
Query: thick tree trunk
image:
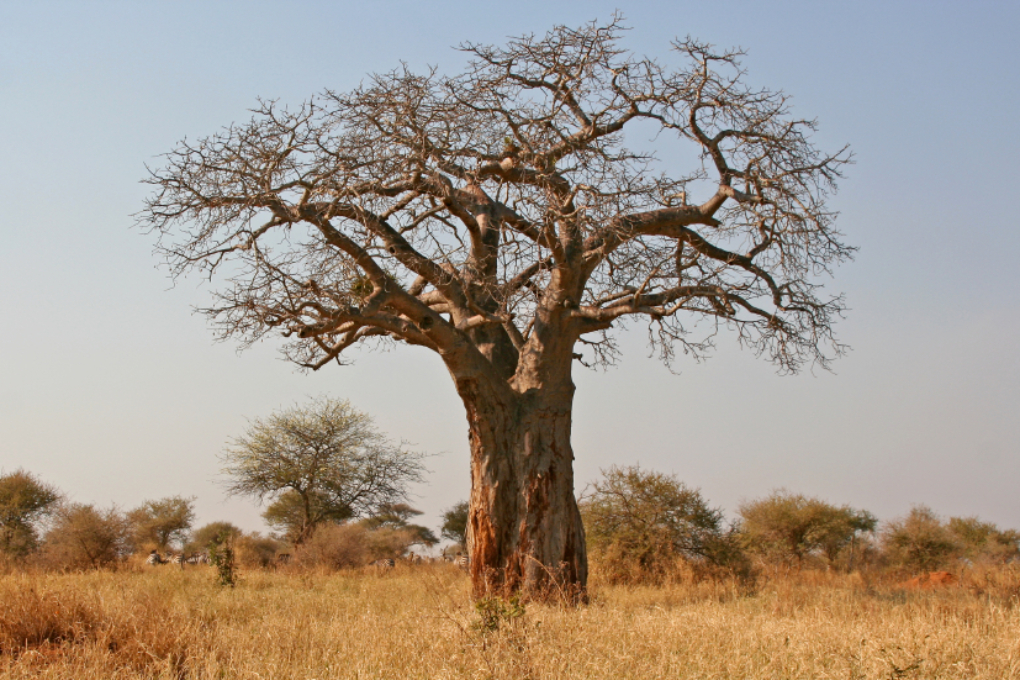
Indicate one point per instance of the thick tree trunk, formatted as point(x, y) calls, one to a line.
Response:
point(524, 528)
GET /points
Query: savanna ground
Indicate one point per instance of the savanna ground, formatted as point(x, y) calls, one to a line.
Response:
point(420, 622)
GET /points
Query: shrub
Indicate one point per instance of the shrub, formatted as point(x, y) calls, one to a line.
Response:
point(639, 523)
point(84, 537)
point(985, 542)
point(920, 541)
point(209, 535)
point(788, 528)
point(255, 550)
point(336, 546)
point(223, 558)
point(345, 546)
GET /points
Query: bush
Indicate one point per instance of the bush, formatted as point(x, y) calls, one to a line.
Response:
point(84, 537)
point(788, 528)
point(212, 534)
point(256, 551)
point(985, 542)
point(639, 523)
point(336, 546)
point(920, 541)
point(346, 546)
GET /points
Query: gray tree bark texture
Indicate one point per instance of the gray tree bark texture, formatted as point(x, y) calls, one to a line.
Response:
point(500, 218)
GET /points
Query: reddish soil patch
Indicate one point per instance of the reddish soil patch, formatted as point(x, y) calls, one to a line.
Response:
point(933, 579)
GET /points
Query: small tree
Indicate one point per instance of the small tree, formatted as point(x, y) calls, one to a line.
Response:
point(790, 527)
point(648, 519)
point(920, 541)
point(24, 502)
point(162, 523)
point(85, 537)
point(319, 462)
point(289, 514)
point(398, 516)
point(455, 524)
point(984, 540)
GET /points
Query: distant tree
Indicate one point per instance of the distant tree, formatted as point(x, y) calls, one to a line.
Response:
point(502, 218)
point(289, 514)
point(455, 524)
point(984, 540)
point(317, 463)
point(789, 527)
point(24, 502)
point(162, 523)
point(920, 541)
point(648, 519)
point(214, 533)
point(83, 537)
point(398, 516)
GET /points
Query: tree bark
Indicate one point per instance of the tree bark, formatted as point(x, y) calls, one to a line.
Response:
point(524, 527)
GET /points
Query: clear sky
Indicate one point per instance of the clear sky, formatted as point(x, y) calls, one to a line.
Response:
point(111, 389)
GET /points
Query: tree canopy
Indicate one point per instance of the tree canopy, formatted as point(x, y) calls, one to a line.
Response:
point(646, 516)
point(24, 502)
point(319, 462)
point(789, 526)
point(455, 521)
point(432, 206)
point(86, 537)
point(162, 523)
point(397, 516)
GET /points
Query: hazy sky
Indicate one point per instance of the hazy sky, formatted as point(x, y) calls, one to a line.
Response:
point(113, 390)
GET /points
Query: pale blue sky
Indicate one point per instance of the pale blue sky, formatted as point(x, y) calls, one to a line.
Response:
point(113, 390)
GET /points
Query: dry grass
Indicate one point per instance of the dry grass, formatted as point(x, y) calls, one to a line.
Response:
point(420, 623)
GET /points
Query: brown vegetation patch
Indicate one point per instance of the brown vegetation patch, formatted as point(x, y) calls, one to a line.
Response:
point(420, 623)
point(44, 619)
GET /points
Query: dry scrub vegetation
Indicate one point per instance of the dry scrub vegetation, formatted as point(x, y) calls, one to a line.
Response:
point(421, 623)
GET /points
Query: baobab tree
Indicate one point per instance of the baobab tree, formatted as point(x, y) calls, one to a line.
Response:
point(501, 218)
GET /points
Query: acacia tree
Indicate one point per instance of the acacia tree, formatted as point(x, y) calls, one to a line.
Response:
point(498, 218)
point(324, 461)
point(294, 515)
point(398, 516)
point(24, 502)
point(162, 522)
point(455, 522)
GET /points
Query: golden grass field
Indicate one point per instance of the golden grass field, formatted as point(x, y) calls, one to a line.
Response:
point(420, 622)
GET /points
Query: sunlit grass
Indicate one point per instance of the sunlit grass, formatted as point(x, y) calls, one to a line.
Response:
point(421, 623)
